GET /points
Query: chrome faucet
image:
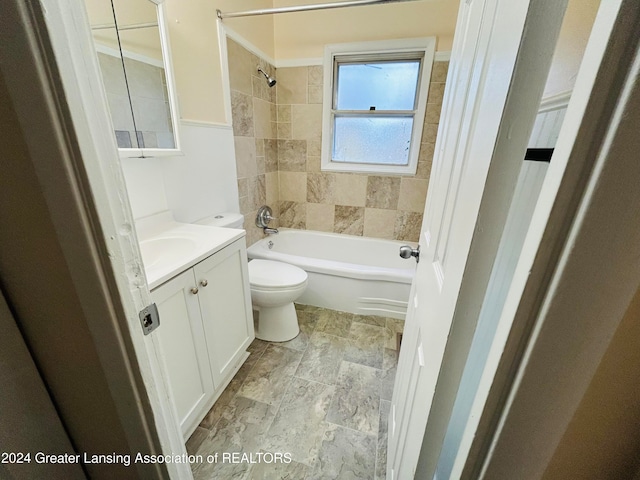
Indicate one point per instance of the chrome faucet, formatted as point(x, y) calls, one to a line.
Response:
point(263, 218)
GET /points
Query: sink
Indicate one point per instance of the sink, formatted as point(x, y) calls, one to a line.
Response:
point(165, 249)
point(169, 248)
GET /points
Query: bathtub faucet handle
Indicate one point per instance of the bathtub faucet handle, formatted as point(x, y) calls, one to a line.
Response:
point(265, 215)
point(407, 252)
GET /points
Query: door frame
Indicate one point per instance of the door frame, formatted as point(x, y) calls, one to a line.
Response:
point(54, 83)
point(85, 192)
point(586, 192)
point(561, 216)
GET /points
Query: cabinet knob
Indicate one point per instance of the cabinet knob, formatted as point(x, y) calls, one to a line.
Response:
point(204, 283)
point(194, 290)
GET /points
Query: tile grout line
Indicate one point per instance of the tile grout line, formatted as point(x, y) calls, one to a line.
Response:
point(375, 463)
point(277, 409)
point(327, 424)
point(239, 388)
point(314, 381)
point(335, 388)
point(353, 429)
point(266, 432)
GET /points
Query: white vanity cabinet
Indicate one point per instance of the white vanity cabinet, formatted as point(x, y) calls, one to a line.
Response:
point(206, 325)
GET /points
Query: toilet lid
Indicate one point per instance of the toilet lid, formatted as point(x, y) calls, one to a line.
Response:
point(268, 273)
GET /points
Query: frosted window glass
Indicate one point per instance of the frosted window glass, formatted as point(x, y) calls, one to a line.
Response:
point(377, 139)
point(384, 85)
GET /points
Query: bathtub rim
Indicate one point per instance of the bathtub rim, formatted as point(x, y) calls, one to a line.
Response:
point(332, 267)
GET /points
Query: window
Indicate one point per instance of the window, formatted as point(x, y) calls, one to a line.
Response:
point(374, 105)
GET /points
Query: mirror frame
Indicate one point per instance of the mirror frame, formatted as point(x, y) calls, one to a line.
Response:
point(171, 92)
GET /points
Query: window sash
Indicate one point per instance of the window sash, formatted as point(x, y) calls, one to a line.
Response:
point(417, 49)
point(366, 114)
point(363, 59)
point(400, 57)
point(373, 113)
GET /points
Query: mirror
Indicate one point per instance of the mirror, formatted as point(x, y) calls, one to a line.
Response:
point(132, 50)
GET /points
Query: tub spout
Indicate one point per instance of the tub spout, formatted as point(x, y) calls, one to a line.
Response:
point(270, 231)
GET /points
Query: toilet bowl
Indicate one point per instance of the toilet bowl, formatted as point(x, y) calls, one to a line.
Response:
point(274, 288)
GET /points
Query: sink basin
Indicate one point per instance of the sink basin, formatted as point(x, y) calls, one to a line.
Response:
point(166, 249)
point(169, 248)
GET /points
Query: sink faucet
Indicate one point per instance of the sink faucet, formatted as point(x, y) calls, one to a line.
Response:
point(270, 231)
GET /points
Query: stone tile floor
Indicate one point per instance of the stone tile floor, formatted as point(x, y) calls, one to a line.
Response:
point(323, 398)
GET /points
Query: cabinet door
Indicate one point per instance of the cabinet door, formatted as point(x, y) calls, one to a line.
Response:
point(225, 303)
point(182, 350)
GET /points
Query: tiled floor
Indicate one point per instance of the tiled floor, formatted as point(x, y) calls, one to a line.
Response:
point(323, 397)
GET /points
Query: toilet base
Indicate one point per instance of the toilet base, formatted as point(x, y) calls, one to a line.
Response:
point(277, 324)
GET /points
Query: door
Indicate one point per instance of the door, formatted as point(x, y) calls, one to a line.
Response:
point(476, 128)
point(182, 350)
point(225, 302)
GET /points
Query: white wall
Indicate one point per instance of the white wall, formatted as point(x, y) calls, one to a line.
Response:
point(193, 33)
point(145, 185)
point(203, 181)
point(199, 183)
point(547, 128)
point(196, 50)
point(304, 34)
point(574, 34)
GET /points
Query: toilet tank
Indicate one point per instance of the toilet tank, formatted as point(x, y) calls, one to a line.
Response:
point(226, 219)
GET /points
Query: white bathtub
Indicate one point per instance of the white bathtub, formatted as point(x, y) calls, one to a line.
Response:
point(352, 274)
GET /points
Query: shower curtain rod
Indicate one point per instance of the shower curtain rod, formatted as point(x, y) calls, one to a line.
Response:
point(306, 8)
point(133, 26)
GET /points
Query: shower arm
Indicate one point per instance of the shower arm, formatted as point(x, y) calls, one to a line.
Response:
point(270, 80)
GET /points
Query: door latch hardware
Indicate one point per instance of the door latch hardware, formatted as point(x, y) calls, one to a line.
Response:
point(407, 252)
point(149, 318)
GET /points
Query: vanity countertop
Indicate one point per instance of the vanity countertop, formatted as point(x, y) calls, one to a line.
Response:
point(169, 247)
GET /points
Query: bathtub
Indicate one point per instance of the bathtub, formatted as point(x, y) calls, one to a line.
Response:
point(352, 274)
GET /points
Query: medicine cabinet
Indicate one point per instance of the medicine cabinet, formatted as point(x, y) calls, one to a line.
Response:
point(132, 46)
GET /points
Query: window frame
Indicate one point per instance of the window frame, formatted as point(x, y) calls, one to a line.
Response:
point(382, 51)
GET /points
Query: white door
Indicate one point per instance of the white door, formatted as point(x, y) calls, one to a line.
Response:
point(482, 66)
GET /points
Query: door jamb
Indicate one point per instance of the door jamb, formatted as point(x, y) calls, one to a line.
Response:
point(578, 161)
point(64, 117)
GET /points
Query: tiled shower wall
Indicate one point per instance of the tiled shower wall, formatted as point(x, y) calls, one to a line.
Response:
point(278, 158)
point(254, 129)
point(381, 206)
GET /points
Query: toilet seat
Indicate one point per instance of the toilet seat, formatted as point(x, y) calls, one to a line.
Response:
point(268, 275)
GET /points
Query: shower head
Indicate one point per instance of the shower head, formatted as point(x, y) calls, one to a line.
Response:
point(270, 80)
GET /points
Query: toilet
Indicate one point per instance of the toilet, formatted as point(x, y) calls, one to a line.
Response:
point(274, 288)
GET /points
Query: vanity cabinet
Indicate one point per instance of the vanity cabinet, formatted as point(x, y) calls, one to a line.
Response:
point(206, 325)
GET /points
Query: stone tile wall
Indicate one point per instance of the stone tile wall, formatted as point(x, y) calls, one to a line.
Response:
point(278, 134)
point(255, 130)
point(381, 206)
